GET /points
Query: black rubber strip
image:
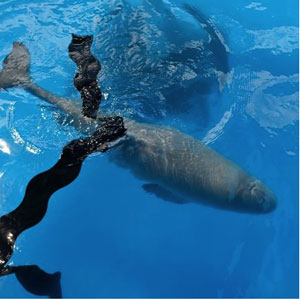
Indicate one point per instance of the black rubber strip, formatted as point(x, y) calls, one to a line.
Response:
point(36, 281)
point(86, 76)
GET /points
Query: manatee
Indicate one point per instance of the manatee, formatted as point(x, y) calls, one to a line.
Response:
point(178, 167)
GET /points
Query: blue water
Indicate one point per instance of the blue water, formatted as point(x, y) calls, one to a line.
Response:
point(105, 235)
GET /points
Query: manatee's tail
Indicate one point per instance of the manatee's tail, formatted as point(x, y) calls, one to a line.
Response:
point(15, 67)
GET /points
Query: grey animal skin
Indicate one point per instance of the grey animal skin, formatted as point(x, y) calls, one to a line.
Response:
point(167, 158)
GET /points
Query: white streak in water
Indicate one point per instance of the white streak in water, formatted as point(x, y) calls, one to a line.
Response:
point(4, 147)
point(283, 39)
point(217, 131)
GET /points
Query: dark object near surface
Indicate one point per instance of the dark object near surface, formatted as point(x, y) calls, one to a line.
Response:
point(216, 45)
point(86, 76)
point(36, 281)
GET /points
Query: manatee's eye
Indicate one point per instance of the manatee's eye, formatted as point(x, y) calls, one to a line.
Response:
point(251, 187)
point(256, 192)
point(257, 196)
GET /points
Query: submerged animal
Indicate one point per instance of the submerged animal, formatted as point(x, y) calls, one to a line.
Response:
point(149, 64)
point(180, 168)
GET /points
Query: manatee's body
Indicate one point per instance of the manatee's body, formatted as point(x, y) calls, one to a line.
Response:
point(189, 168)
point(161, 155)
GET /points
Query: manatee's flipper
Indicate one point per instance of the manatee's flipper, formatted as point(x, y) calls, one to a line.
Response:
point(163, 193)
point(15, 67)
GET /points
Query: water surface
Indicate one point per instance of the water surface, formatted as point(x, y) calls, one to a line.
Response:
point(161, 63)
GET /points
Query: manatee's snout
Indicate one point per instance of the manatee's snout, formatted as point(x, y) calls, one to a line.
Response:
point(257, 198)
point(266, 201)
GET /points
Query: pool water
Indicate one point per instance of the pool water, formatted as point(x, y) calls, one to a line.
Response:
point(160, 64)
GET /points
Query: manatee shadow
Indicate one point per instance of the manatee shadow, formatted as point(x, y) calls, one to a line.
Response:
point(216, 44)
point(153, 70)
point(35, 280)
